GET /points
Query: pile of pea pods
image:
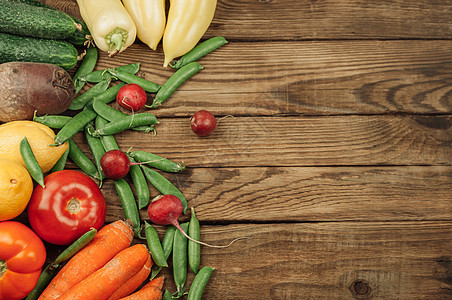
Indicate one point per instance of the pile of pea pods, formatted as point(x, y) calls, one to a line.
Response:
point(99, 122)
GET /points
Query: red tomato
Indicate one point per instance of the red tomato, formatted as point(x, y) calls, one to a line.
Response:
point(69, 205)
point(22, 255)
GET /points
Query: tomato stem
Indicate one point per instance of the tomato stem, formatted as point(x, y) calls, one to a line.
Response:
point(73, 206)
point(3, 268)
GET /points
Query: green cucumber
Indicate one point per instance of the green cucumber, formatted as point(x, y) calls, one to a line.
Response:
point(20, 48)
point(29, 20)
point(79, 37)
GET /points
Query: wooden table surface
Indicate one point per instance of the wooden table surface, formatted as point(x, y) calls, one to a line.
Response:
point(337, 160)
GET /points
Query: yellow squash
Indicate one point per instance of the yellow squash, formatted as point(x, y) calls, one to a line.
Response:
point(111, 27)
point(149, 17)
point(188, 20)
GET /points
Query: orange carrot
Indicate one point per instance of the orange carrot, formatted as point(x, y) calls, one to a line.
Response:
point(109, 241)
point(134, 282)
point(157, 282)
point(104, 282)
point(149, 293)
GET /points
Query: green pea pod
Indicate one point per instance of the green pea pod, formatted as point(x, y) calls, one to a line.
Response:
point(86, 66)
point(141, 185)
point(199, 51)
point(81, 160)
point(61, 163)
point(194, 249)
point(50, 270)
point(167, 295)
point(108, 141)
point(129, 204)
point(127, 122)
point(157, 161)
point(99, 75)
point(176, 80)
point(111, 114)
point(167, 245)
point(180, 259)
point(109, 95)
point(52, 121)
point(199, 283)
point(77, 123)
point(163, 185)
point(80, 101)
point(155, 247)
point(97, 149)
point(75, 247)
point(127, 77)
point(31, 163)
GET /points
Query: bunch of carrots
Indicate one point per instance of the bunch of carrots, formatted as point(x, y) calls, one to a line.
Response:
point(108, 267)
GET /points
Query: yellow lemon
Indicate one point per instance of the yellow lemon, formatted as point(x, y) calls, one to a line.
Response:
point(39, 137)
point(16, 187)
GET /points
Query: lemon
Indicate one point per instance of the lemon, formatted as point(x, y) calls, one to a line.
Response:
point(39, 137)
point(16, 187)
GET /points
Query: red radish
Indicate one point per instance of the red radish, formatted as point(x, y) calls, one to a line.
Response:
point(131, 97)
point(115, 164)
point(166, 210)
point(203, 123)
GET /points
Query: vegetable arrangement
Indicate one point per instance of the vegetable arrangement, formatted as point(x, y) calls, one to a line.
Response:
point(101, 262)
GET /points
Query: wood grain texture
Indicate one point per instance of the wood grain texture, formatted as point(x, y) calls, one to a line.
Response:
point(399, 260)
point(322, 19)
point(309, 78)
point(302, 141)
point(292, 194)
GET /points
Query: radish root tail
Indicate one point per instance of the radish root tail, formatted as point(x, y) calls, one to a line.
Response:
point(208, 245)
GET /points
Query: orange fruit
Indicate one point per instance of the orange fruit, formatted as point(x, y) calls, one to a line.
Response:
point(16, 187)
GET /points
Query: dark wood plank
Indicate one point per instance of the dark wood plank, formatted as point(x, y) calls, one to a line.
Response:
point(301, 20)
point(408, 260)
point(302, 141)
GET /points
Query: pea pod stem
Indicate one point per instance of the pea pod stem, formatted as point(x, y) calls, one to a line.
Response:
point(176, 80)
